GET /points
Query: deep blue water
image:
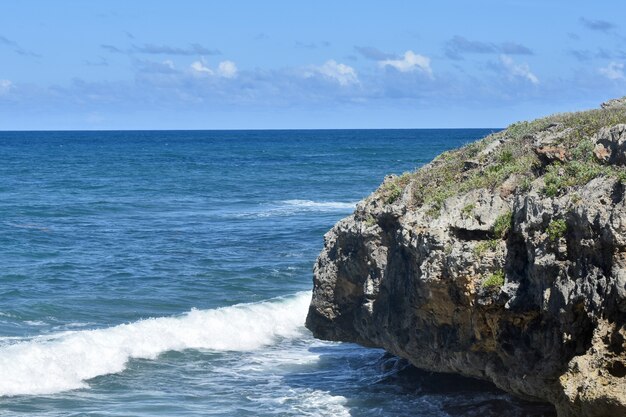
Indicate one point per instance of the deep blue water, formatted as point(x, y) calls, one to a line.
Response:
point(169, 273)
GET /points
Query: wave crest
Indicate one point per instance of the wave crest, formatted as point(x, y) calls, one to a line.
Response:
point(50, 364)
point(328, 205)
point(295, 207)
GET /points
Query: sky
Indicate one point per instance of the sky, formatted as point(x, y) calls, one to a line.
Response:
point(75, 65)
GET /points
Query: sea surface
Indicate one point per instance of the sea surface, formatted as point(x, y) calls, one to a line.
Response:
point(157, 273)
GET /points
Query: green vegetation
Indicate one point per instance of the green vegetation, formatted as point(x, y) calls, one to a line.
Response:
point(525, 184)
point(522, 129)
point(437, 198)
point(370, 220)
point(509, 156)
point(582, 166)
point(467, 210)
point(393, 189)
point(505, 157)
point(393, 193)
point(502, 225)
point(495, 280)
point(556, 229)
point(585, 124)
point(446, 176)
point(486, 245)
point(559, 176)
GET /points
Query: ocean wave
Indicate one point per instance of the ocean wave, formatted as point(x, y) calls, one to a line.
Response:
point(323, 205)
point(65, 361)
point(35, 322)
point(315, 403)
point(292, 207)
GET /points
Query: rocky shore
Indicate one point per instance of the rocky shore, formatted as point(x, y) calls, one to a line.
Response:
point(504, 260)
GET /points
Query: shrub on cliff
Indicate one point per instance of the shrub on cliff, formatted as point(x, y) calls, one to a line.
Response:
point(558, 149)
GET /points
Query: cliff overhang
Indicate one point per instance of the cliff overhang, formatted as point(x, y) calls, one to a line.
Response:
point(504, 260)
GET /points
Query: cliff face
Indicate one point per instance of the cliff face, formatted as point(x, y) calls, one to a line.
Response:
point(504, 260)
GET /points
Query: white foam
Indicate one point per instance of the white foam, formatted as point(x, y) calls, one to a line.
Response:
point(292, 207)
point(324, 205)
point(35, 322)
point(316, 403)
point(64, 361)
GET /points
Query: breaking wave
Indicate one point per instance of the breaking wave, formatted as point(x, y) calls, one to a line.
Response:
point(64, 361)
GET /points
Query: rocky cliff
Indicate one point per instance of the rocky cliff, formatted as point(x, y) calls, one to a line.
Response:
point(503, 260)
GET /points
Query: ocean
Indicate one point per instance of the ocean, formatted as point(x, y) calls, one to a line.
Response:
point(168, 273)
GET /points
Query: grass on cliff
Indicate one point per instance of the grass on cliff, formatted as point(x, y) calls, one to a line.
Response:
point(507, 159)
point(392, 190)
point(495, 280)
point(501, 228)
point(502, 225)
point(556, 229)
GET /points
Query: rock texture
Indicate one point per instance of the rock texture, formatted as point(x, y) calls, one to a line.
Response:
point(616, 102)
point(513, 282)
point(610, 145)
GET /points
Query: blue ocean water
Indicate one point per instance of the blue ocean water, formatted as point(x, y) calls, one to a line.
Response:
point(169, 273)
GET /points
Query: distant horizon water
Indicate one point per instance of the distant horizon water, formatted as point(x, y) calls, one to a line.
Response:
point(482, 129)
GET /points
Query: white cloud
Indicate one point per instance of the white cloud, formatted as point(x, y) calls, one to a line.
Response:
point(518, 70)
point(340, 73)
point(227, 69)
point(614, 71)
point(200, 68)
point(5, 86)
point(410, 62)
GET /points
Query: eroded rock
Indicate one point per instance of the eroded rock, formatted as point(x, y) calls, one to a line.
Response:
point(610, 145)
point(616, 102)
point(539, 310)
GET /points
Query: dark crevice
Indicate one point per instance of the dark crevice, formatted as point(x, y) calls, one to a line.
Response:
point(471, 234)
point(581, 330)
point(616, 343)
point(617, 194)
point(617, 369)
point(516, 263)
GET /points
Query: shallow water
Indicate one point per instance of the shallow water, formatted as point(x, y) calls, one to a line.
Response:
point(169, 273)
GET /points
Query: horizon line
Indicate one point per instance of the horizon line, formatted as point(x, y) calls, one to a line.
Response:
point(246, 130)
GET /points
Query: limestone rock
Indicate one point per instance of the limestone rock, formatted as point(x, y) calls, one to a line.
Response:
point(550, 135)
point(539, 310)
point(616, 102)
point(551, 153)
point(610, 145)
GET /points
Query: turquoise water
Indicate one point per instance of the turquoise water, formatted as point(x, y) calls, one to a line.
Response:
point(169, 273)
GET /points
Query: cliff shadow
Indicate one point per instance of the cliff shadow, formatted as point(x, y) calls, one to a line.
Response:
point(374, 383)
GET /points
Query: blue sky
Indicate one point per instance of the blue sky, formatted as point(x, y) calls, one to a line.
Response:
point(304, 64)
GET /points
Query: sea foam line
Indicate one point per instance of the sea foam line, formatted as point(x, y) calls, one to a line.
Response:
point(51, 364)
point(294, 207)
point(328, 205)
